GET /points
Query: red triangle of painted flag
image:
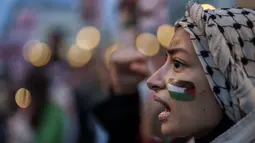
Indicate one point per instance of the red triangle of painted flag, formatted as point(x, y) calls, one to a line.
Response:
point(190, 91)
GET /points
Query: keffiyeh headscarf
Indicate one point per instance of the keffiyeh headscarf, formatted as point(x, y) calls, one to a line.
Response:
point(224, 41)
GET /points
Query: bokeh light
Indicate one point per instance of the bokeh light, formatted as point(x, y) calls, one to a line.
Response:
point(78, 57)
point(37, 53)
point(147, 44)
point(164, 34)
point(23, 98)
point(27, 48)
point(108, 52)
point(208, 6)
point(88, 38)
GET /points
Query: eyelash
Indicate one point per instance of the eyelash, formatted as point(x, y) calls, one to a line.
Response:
point(177, 61)
point(181, 63)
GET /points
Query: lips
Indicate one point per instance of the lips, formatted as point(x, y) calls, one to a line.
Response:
point(161, 101)
point(163, 115)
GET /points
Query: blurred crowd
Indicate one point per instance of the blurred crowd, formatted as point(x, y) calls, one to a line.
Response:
point(98, 100)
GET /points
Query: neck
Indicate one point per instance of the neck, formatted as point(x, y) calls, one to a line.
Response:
point(223, 126)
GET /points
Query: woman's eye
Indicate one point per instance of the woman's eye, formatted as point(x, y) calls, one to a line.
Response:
point(178, 64)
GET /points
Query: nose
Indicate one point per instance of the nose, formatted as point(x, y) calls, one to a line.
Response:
point(156, 82)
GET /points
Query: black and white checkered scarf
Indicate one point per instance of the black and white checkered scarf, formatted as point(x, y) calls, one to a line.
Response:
point(224, 41)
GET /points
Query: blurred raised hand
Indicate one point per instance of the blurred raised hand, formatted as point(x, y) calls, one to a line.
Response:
point(128, 68)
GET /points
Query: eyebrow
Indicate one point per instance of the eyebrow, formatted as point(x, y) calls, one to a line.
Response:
point(175, 42)
point(175, 51)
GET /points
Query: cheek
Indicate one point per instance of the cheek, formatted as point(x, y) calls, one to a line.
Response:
point(202, 102)
point(191, 76)
point(198, 78)
point(185, 107)
point(203, 87)
point(187, 115)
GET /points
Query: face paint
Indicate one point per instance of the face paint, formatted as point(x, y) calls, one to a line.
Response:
point(181, 90)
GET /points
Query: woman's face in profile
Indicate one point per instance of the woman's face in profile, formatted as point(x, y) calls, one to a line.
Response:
point(181, 86)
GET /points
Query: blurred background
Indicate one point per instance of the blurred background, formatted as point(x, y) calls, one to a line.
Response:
point(55, 66)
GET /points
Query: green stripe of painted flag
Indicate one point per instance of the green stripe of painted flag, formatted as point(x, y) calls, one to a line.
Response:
point(181, 96)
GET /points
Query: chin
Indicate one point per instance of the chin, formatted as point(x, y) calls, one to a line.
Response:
point(170, 130)
point(166, 129)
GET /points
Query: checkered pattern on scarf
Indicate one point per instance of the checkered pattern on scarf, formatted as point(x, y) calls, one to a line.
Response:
point(224, 41)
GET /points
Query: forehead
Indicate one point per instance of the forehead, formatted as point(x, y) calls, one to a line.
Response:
point(181, 39)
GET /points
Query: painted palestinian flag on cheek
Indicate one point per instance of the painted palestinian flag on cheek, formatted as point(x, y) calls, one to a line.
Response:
point(181, 90)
